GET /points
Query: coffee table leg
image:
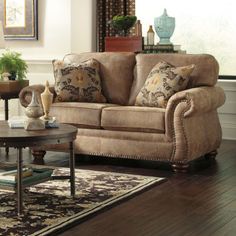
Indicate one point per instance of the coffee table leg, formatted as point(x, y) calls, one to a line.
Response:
point(72, 169)
point(19, 181)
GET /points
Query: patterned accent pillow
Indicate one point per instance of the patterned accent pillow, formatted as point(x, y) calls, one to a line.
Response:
point(162, 82)
point(78, 82)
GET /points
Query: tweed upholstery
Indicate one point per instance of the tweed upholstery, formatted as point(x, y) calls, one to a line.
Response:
point(131, 118)
point(205, 72)
point(191, 119)
point(116, 71)
point(25, 94)
point(78, 82)
point(163, 81)
point(186, 129)
point(80, 114)
point(137, 145)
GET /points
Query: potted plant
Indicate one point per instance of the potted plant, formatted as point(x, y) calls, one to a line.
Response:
point(123, 23)
point(12, 63)
point(13, 71)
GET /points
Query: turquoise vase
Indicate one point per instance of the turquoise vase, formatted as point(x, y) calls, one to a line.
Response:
point(164, 27)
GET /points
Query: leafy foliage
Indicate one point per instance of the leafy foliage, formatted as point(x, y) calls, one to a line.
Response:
point(123, 23)
point(12, 63)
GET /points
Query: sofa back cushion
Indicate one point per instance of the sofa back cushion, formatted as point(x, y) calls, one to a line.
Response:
point(116, 72)
point(205, 72)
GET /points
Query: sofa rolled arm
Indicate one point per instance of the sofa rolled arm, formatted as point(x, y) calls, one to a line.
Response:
point(26, 93)
point(198, 100)
point(192, 101)
point(191, 122)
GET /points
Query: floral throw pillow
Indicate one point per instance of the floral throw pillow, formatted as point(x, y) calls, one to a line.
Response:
point(162, 82)
point(78, 82)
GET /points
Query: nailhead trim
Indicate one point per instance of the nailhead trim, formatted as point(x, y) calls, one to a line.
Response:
point(132, 157)
point(176, 103)
point(185, 160)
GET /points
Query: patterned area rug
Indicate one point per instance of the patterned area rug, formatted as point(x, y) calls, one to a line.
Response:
point(48, 207)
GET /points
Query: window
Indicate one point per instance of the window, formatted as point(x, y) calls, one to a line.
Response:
point(201, 27)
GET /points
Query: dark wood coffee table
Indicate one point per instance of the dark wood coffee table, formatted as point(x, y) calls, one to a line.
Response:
point(20, 138)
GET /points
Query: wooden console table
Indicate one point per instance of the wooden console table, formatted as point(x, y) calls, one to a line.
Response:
point(10, 90)
point(6, 97)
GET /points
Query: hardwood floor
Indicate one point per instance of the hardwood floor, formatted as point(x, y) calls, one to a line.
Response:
point(202, 202)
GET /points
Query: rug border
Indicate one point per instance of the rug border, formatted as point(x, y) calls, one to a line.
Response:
point(110, 202)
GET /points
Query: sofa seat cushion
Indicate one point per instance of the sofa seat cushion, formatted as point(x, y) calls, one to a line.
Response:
point(80, 114)
point(132, 118)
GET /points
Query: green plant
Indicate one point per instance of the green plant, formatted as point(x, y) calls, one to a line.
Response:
point(12, 63)
point(123, 23)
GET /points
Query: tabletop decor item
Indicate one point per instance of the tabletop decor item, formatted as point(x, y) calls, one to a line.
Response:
point(150, 36)
point(164, 27)
point(12, 63)
point(138, 28)
point(46, 98)
point(16, 122)
point(123, 23)
point(33, 112)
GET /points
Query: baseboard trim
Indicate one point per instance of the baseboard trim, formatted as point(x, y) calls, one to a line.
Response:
point(229, 131)
point(229, 138)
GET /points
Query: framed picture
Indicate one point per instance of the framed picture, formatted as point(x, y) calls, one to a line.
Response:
point(19, 19)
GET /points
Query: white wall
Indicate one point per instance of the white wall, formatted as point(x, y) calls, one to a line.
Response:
point(65, 26)
point(83, 26)
point(54, 32)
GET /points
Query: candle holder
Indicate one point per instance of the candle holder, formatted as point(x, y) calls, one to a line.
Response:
point(46, 98)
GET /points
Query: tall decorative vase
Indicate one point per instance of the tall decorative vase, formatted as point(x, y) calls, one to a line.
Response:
point(33, 112)
point(138, 28)
point(46, 98)
point(150, 36)
point(164, 27)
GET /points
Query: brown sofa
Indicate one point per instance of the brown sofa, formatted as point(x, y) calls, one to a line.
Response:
point(187, 129)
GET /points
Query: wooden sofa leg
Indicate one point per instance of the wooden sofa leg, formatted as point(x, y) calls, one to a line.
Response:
point(211, 155)
point(180, 167)
point(38, 156)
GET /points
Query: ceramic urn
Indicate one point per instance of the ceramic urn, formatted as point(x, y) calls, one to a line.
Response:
point(164, 27)
point(33, 112)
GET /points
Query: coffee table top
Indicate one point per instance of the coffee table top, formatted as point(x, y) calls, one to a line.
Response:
point(10, 137)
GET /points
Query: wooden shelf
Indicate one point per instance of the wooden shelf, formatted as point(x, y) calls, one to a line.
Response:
point(124, 44)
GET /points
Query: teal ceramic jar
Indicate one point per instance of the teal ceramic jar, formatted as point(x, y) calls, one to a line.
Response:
point(164, 27)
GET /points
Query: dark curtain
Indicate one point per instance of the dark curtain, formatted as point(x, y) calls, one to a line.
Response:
point(106, 9)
